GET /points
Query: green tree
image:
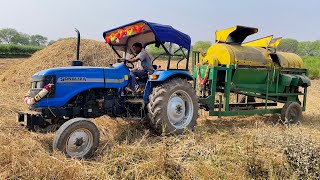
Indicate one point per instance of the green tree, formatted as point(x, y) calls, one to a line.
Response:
point(317, 49)
point(7, 34)
point(155, 51)
point(22, 39)
point(288, 45)
point(308, 48)
point(51, 42)
point(38, 40)
point(201, 45)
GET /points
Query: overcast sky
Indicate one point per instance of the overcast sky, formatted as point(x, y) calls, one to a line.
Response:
point(298, 19)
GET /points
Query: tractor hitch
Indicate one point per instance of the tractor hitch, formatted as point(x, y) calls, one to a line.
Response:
point(30, 118)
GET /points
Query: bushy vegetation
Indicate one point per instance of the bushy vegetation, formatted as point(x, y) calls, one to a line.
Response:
point(303, 48)
point(312, 63)
point(13, 50)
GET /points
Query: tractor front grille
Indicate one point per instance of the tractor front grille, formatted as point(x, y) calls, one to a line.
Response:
point(38, 82)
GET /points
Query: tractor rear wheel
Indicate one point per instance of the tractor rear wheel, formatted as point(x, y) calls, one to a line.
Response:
point(173, 107)
point(77, 138)
point(291, 113)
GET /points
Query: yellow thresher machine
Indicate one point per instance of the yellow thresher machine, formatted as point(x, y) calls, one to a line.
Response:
point(253, 71)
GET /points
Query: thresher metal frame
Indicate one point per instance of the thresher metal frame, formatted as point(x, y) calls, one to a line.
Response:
point(223, 107)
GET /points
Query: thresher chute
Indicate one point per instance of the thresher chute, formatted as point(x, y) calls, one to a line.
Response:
point(262, 42)
point(234, 35)
point(274, 43)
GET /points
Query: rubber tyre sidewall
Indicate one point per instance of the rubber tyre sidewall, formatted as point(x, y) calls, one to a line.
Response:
point(63, 133)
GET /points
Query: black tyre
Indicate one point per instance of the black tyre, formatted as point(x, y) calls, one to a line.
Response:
point(173, 107)
point(77, 138)
point(291, 113)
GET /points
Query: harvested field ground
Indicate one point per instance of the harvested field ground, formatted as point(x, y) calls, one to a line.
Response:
point(233, 148)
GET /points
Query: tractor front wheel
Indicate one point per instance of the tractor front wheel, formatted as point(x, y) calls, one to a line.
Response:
point(77, 138)
point(173, 107)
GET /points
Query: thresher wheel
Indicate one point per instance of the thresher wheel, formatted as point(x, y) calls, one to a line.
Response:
point(291, 113)
point(173, 107)
point(77, 138)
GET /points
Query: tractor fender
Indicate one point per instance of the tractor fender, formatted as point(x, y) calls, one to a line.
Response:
point(163, 77)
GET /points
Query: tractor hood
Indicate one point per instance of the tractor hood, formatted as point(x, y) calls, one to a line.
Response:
point(54, 71)
point(114, 76)
point(82, 69)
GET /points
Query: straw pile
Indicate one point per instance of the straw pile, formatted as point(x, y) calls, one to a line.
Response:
point(15, 81)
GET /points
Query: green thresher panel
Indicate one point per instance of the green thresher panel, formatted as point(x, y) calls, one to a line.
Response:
point(249, 76)
point(255, 80)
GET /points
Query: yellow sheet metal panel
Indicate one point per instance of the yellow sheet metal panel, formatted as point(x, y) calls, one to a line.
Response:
point(222, 35)
point(235, 35)
point(226, 54)
point(294, 61)
point(262, 42)
point(290, 60)
point(283, 61)
point(299, 59)
point(251, 56)
point(274, 43)
point(219, 54)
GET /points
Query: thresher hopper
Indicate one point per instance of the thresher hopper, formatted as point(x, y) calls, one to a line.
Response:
point(252, 70)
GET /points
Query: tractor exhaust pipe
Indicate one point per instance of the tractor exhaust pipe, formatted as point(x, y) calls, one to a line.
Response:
point(78, 44)
point(77, 62)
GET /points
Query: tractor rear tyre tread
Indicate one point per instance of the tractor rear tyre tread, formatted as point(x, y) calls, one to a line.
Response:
point(64, 132)
point(158, 101)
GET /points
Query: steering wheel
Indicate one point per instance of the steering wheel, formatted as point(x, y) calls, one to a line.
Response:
point(126, 62)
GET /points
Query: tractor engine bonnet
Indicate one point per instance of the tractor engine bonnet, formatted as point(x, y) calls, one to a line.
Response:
point(230, 50)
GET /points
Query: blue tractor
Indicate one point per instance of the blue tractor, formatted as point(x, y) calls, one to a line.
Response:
point(64, 99)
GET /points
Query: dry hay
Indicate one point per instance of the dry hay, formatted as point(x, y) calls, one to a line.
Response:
point(5, 63)
point(15, 82)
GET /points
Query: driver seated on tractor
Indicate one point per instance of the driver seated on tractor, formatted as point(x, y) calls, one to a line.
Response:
point(146, 63)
